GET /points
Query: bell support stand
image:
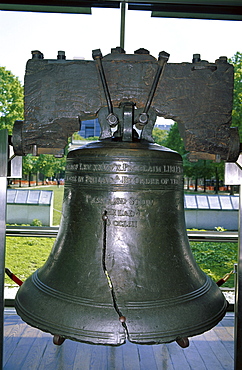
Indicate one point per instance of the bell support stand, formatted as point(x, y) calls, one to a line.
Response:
point(10, 167)
point(3, 205)
point(233, 176)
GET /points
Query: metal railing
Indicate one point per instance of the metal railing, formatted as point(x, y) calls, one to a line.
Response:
point(33, 231)
point(51, 232)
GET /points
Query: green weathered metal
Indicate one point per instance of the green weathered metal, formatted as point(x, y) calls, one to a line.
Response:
point(115, 272)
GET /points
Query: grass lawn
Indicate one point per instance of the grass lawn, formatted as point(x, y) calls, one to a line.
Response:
point(25, 255)
point(216, 259)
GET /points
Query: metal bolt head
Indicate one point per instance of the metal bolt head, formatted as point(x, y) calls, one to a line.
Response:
point(61, 55)
point(104, 216)
point(97, 54)
point(163, 55)
point(36, 54)
point(196, 58)
point(122, 318)
point(143, 118)
point(223, 59)
point(117, 50)
point(142, 51)
point(112, 120)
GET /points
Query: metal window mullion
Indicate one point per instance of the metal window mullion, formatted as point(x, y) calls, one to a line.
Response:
point(3, 207)
point(238, 297)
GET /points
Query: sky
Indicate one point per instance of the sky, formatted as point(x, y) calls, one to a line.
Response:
point(79, 34)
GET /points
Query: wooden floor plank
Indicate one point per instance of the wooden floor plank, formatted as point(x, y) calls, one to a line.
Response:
point(10, 326)
point(146, 356)
point(228, 323)
point(219, 349)
point(206, 353)
point(98, 359)
point(115, 358)
point(28, 348)
point(24, 346)
point(35, 355)
point(193, 357)
point(162, 357)
point(131, 356)
point(13, 328)
point(11, 341)
point(66, 354)
point(226, 338)
point(83, 357)
point(51, 358)
point(178, 357)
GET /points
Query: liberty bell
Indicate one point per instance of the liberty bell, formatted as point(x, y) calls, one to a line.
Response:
point(121, 267)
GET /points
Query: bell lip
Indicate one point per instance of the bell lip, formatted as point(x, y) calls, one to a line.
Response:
point(113, 338)
point(115, 334)
point(130, 337)
point(185, 332)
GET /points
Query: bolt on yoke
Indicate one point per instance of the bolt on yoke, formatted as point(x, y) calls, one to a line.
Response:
point(127, 119)
point(162, 60)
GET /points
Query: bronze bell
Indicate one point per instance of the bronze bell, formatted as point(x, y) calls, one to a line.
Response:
point(121, 267)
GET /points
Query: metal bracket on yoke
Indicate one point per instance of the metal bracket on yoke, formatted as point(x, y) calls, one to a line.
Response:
point(162, 60)
point(111, 117)
point(126, 129)
point(127, 120)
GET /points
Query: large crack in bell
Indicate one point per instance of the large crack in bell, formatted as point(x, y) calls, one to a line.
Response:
point(122, 318)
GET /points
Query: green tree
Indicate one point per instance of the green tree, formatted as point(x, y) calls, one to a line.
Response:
point(45, 165)
point(29, 163)
point(11, 99)
point(174, 140)
point(75, 136)
point(59, 166)
point(159, 136)
point(51, 166)
point(202, 169)
point(236, 60)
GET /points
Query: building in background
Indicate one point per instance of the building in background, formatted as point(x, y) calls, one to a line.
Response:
point(164, 124)
point(90, 128)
